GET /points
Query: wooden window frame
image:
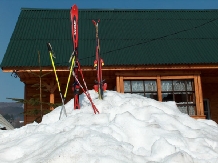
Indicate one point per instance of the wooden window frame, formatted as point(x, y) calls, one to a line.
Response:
point(197, 87)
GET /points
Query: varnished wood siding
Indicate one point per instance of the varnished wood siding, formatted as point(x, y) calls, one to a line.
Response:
point(208, 79)
point(30, 91)
point(210, 92)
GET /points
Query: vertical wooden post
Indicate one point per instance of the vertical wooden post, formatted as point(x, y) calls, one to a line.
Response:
point(197, 100)
point(201, 105)
point(118, 83)
point(51, 87)
point(52, 100)
point(121, 85)
point(159, 88)
point(25, 104)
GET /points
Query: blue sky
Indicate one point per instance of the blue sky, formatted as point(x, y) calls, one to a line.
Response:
point(11, 87)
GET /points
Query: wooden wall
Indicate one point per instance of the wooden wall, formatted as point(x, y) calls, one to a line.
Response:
point(210, 92)
point(209, 86)
point(30, 92)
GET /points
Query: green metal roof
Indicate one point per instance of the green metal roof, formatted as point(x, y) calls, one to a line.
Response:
point(127, 37)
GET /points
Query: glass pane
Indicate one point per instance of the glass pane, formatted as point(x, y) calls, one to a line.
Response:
point(179, 85)
point(167, 97)
point(183, 109)
point(166, 85)
point(190, 85)
point(150, 86)
point(137, 86)
point(151, 95)
point(191, 97)
point(180, 97)
point(127, 86)
point(191, 110)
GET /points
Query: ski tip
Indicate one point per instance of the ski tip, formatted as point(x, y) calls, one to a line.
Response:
point(74, 7)
point(95, 22)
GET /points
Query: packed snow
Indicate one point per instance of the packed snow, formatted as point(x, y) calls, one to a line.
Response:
point(129, 129)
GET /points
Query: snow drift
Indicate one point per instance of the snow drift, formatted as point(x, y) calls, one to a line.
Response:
point(130, 128)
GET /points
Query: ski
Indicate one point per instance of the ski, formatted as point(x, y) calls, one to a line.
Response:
point(100, 86)
point(74, 27)
point(86, 91)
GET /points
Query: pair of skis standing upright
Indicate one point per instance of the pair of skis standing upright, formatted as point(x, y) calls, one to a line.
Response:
point(75, 69)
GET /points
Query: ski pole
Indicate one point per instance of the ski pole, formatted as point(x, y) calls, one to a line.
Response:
point(72, 59)
point(59, 88)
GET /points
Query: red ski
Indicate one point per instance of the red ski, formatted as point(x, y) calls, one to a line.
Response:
point(74, 25)
point(100, 86)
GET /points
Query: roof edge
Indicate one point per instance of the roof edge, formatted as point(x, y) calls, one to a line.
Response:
point(114, 9)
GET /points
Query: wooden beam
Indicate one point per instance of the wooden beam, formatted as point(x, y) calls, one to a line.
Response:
point(121, 85)
point(198, 109)
point(199, 117)
point(178, 77)
point(138, 77)
point(52, 100)
point(200, 96)
point(157, 72)
point(136, 67)
point(51, 87)
point(118, 83)
point(25, 104)
point(159, 88)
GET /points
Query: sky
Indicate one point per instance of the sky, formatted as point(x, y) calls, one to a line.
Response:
point(11, 87)
point(129, 128)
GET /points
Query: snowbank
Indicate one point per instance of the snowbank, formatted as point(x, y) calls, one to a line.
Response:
point(130, 128)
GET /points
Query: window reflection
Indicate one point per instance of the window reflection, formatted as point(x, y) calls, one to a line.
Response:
point(150, 85)
point(166, 85)
point(127, 86)
point(191, 110)
point(147, 88)
point(179, 85)
point(137, 86)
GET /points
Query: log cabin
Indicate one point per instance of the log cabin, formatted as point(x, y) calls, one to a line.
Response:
point(166, 55)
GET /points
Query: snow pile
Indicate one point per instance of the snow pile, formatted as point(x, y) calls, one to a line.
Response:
point(130, 128)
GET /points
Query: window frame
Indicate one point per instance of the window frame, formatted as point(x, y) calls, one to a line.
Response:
point(197, 87)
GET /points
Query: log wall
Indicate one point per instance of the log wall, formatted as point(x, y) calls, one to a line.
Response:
point(114, 79)
point(30, 91)
point(210, 92)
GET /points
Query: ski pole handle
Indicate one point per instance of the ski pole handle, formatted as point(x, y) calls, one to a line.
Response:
point(49, 46)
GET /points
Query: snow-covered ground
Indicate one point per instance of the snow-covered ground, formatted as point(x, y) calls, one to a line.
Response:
point(129, 129)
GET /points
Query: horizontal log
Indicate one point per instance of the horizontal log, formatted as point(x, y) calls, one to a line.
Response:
point(105, 68)
point(177, 77)
point(155, 73)
point(199, 117)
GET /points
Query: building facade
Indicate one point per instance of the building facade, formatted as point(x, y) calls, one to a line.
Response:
point(166, 55)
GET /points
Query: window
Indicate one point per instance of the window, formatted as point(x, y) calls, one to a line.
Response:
point(147, 88)
point(180, 91)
